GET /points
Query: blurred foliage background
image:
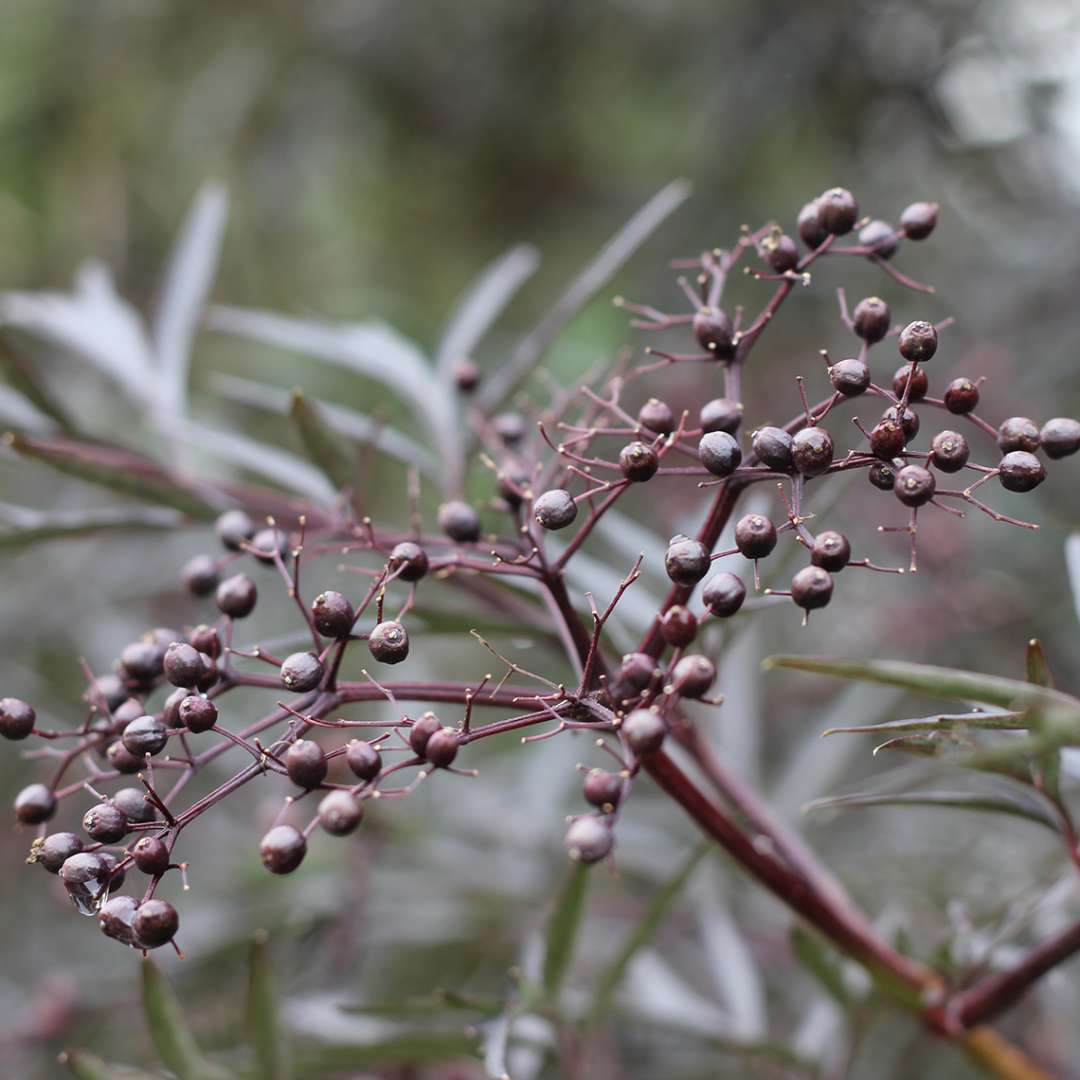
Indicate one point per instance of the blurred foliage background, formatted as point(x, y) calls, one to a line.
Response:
point(377, 156)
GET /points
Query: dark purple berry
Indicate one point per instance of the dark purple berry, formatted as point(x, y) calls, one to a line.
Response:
point(918, 341)
point(811, 588)
point(831, 551)
point(35, 804)
point(656, 415)
point(201, 575)
point(234, 529)
point(589, 840)
point(459, 521)
point(389, 642)
point(333, 614)
point(340, 813)
point(1018, 433)
point(810, 226)
point(1021, 471)
point(719, 452)
point(17, 718)
point(880, 236)
point(839, 211)
point(909, 421)
point(871, 319)
point(755, 536)
point(141, 662)
point(554, 509)
point(1060, 437)
point(441, 748)
point(772, 447)
point(236, 596)
point(466, 376)
point(269, 544)
point(207, 640)
point(887, 439)
point(116, 919)
point(183, 664)
point(603, 789)
point(106, 823)
point(961, 396)
point(209, 674)
point(721, 414)
point(145, 735)
point(55, 849)
point(636, 672)
point(282, 849)
point(686, 561)
point(151, 855)
point(422, 730)
point(301, 672)
point(812, 451)
point(882, 474)
point(197, 714)
point(127, 711)
point(678, 626)
point(644, 731)
point(409, 561)
point(920, 384)
point(363, 760)
point(136, 807)
point(949, 451)
point(724, 594)
point(638, 462)
point(918, 220)
point(306, 763)
point(914, 485)
point(693, 676)
point(513, 487)
point(87, 876)
point(850, 377)
point(155, 923)
point(122, 759)
point(110, 688)
point(510, 427)
point(780, 252)
point(715, 332)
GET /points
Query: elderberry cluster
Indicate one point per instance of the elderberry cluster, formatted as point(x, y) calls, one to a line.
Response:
point(154, 721)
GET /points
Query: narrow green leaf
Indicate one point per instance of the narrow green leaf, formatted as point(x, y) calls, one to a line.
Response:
point(1038, 670)
point(821, 962)
point(21, 525)
point(992, 721)
point(264, 1029)
point(86, 1066)
point(321, 443)
point(563, 929)
point(122, 471)
point(417, 1047)
point(1046, 767)
point(169, 1030)
point(643, 933)
point(950, 800)
point(437, 1003)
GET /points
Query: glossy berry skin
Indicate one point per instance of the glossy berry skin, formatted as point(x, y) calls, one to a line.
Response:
point(340, 813)
point(850, 377)
point(638, 462)
point(839, 211)
point(554, 509)
point(715, 332)
point(234, 529)
point(236, 596)
point(636, 673)
point(34, 804)
point(305, 763)
point(678, 626)
point(755, 536)
point(116, 919)
point(914, 485)
point(831, 551)
point(686, 561)
point(363, 760)
point(151, 855)
point(459, 521)
point(589, 840)
point(887, 439)
point(949, 451)
point(721, 414)
point(200, 575)
point(441, 748)
point(719, 452)
point(812, 451)
point(422, 730)
point(301, 672)
point(105, 823)
point(656, 415)
point(1018, 433)
point(409, 561)
point(183, 664)
point(333, 614)
point(810, 226)
point(1021, 471)
point(772, 447)
point(197, 714)
point(282, 849)
point(17, 718)
point(724, 594)
point(880, 236)
point(918, 220)
point(388, 642)
point(780, 252)
point(155, 923)
point(644, 731)
point(269, 544)
point(1059, 437)
point(961, 396)
point(86, 875)
point(811, 588)
point(871, 319)
point(135, 805)
point(206, 640)
point(55, 849)
point(918, 341)
point(920, 384)
point(145, 735)
point(693, 676)
point(602, 789)
point(909, 421)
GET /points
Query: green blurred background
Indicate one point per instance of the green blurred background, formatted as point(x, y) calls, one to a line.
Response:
point(377, 156)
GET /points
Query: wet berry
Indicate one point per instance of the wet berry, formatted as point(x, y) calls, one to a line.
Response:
point(305, 763)
point(441, 748)
point(918, 220)
point(831, 551)
point(693, 676)
point(363, 760)
point(920, 383)
point(340, 813)
point(333, 614)
point(949, 451)
point(772, 447)
point(554, 509)
point(850, 377)
point(589, 840)
point(234, 529)
point(715, 332)
point(389, 642)
point(1018, 433)
point(887, 439)
point(422, 730)
point(914, 485)
point(151, 855)
point(155, 923)
point(961, 396)
point(459, 521)
point(719, 452)
point(686, 561)
point(638, 462)
point(17, 718)
point(105, 823)
point(116, 919)
point(602, 789)
point(301, 672)
point(839, 211)
point(723, 594)
point(880, 236)
point(236, 596)
point(871, 319)
point(197, 714)
point(201, 575)
point(34, 804)
point(86, 876)
point(145, 735)
point(282, 849)
point(810, 226)
point(55, 849)
point(644, 731)
point(812, 451)
point(811, 588)
point(656, 415)
point(918, 341)
point(678, 626)
point(1060, 437)
point(755, 536)
point(721, 414)
point(1021, 471)
point(409, 561)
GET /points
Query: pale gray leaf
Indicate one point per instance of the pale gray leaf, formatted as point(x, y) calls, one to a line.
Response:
point(1072, 562)
point(20, 412)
